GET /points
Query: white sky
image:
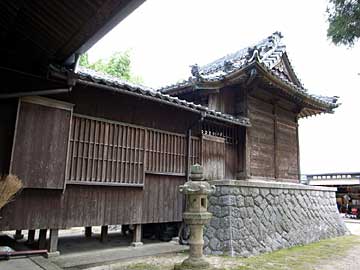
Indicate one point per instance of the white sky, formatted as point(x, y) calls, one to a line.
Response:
point(167, 36)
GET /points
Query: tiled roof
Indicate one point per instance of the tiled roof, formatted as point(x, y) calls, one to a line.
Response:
point(85, 74)
point(268, 53)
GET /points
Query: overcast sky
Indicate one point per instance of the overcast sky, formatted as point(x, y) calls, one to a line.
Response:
point(167, 36)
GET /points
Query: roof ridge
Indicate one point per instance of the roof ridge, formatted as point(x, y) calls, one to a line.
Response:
point(259, 51)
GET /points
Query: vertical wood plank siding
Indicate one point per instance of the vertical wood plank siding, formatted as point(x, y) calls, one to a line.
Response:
point(273, 141)
point(40, 145)
point(220, 150)
point(213, 157)
point(287, 147)
point(85, 205)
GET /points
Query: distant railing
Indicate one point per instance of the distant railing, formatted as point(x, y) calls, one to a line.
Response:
point(329, 176)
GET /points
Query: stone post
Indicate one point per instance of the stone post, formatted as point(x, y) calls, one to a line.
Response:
point(196, 216)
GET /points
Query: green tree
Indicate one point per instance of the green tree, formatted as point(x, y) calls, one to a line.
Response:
point(118, 65)
point(344, 21)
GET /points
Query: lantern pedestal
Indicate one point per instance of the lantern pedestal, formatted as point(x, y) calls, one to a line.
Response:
point(196, 216)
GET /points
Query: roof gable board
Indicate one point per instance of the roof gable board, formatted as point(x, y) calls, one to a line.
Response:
point(285, 67)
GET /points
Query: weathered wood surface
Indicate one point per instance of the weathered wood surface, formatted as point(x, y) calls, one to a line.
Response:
point(162, 201)
point(273, 141)
point(8, 110)
point(84, 205)
point(213, 159)
point(231, 160)
point(40, 145)
point(223, 101)
point(287, 150)
point(121, 141)
point(105, 152)
point(128, 109)
point(261, 138)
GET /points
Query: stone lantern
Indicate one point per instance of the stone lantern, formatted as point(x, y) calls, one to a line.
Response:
point(196, 216)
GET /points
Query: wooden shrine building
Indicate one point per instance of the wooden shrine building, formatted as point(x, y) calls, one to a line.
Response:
point(259, 83)
point(94, 150)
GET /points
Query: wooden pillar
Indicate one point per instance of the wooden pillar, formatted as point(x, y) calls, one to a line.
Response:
point(188, 154)
point(242, 168)
point(104, 234)
point(18, 235)
point(246, 151)
point(276, 168)
point(53, 240)
point(88, 231)
point(137, 236)
point(31, 237)
point(42, 238)
point(298, 150)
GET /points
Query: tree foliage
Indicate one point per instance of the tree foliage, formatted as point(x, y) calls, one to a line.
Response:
point(344, 21)
point(118, 65)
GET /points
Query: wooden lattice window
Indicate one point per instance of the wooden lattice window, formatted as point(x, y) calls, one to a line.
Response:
point(229, 133)
point(166, 152)
point(105, 152)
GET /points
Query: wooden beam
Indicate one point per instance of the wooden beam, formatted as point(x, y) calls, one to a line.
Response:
point(88, 231)
point(31, 237)
point(42, 238)
point(53, 240)
point(18, 235)
point(137, 236)
point(104, 234)
point(188, 153)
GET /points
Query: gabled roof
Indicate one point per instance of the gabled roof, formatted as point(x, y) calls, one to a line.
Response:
point(268, 57)
point(98, 79)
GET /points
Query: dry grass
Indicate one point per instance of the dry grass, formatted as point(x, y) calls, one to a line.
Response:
point(9, 186)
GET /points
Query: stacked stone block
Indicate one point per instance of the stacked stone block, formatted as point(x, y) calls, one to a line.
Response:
point(254, 217)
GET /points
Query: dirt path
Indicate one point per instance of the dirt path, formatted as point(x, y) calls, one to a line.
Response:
point(341, 253)
point(350, 261)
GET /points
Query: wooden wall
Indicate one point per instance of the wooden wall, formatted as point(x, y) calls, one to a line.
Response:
point(287, 150)
point(126, 158)
point(130, 109)
point(261, 138)
point(8, 109)
point(84, 205)
point(40, 145)
point(272, 141)
point(148, 162)
point(213, 156)
point(162, 201)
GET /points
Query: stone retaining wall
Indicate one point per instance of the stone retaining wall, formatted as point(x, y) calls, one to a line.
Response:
point(250, 217)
